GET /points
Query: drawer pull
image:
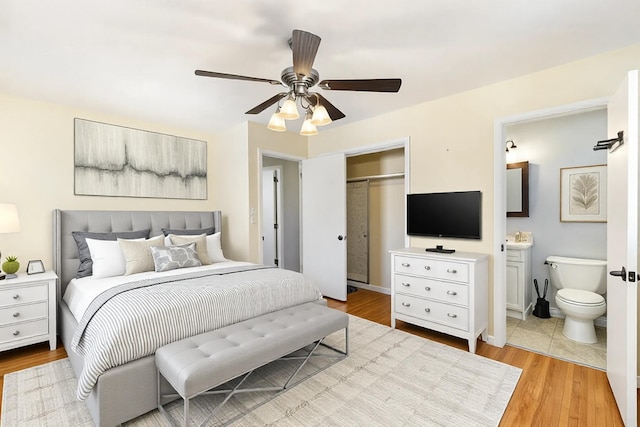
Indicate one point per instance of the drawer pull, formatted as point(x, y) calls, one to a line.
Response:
point(16, 333)
point(406, 304)
point(16, 296)
point(427, 310)
point(426, 267)
point(406, 285)
point(452, 315)
point(452, 270)
point(452, 293)
point(16, 314)
point(427, 288)
point(406, 264)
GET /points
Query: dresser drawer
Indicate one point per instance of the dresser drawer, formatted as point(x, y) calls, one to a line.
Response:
point(21, 313)
point(453, 293)
point(437, 269)
point(23, 330)
point(433, 311)
point(24, 295)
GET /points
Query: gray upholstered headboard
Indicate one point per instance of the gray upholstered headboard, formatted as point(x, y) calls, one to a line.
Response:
point(65, 250)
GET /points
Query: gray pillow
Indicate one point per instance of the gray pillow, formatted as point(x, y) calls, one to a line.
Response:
point(86, 264)
point(191, 232)
point(167, 258)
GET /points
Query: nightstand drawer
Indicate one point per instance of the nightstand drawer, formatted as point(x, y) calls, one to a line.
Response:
point(454, 293)
point(432, 311)
point(23, 330)
point(23, 295)
point(434, 268)
point(21, 313)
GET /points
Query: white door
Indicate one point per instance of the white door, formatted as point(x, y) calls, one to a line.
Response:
point(271, 228)
point(622, 248)
point(324, 224)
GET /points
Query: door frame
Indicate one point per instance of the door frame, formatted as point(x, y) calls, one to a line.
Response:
point(499, 337)
point(291, 158)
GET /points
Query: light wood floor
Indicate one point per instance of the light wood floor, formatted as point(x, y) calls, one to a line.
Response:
point(550, 392)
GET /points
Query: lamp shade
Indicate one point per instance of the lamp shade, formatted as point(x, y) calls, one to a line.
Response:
point(289, 110)
point(320, 116)
point(9, 218)
point(308, 128)
point(277, 123)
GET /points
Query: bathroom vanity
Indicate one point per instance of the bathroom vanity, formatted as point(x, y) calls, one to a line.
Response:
point(519, 285)
point(448, 293)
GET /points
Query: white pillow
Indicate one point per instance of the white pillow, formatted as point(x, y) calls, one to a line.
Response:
point(108, 258)
point(214, 248)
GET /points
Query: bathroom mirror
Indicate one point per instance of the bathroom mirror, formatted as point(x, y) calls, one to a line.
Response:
point(518, 189)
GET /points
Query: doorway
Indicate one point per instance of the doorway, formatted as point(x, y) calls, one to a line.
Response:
point(549, 145)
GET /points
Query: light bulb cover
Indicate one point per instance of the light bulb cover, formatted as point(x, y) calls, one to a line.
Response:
point(277, 123)
point(289, 110)
point(320, 116)
point(308, 128)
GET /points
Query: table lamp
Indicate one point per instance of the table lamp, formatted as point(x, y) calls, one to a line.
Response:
point(8, 224)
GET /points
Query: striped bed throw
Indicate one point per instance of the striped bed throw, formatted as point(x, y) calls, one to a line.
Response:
point(132, 320)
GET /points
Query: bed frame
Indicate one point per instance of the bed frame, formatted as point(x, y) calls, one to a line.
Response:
point(130, 390)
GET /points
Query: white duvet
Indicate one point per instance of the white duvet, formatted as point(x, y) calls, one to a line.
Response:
point(81, 292)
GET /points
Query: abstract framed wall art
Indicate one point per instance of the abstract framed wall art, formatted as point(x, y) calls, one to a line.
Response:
point(112, 160)
point(583, 194)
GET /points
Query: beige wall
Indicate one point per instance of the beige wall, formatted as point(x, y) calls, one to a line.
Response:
point(451, 139)
point(36, 172)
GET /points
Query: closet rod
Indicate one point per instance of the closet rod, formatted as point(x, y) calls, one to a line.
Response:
point(387, 175)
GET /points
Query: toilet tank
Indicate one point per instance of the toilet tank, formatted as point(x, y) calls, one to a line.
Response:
point(578, 273)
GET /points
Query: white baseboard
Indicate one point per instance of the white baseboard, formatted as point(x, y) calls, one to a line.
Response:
point(373, 288)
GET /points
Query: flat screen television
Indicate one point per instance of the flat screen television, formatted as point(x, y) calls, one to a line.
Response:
point(453, 214)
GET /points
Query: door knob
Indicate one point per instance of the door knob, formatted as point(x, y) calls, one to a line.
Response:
point(341, 237)
point(620, 273)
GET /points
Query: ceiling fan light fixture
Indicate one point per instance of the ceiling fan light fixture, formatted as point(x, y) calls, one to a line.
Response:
point(277, 123)
point(308, 128)
point(289, 109)
point(320, 116)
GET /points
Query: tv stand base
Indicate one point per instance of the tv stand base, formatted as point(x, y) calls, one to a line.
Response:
point(440, 249)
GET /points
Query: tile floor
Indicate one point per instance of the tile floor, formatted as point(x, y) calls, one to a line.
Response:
point(545, 336)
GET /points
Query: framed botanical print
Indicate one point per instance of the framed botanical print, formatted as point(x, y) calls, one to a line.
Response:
point(583, 194)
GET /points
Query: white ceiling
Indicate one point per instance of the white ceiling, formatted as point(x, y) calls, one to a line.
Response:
point(136, 58)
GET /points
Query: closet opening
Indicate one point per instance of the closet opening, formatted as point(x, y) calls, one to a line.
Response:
point(375, 217)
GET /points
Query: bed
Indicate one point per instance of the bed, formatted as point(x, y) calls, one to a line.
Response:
point(118, 388)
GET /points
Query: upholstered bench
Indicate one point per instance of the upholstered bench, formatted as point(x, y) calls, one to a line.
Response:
point(195, 365)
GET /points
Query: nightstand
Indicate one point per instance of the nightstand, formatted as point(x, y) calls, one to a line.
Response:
point(28, 310)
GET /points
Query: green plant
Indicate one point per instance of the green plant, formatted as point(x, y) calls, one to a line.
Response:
point(11, 265)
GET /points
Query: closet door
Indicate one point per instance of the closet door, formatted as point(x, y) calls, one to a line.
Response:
point(324, 218)
point(358, 231)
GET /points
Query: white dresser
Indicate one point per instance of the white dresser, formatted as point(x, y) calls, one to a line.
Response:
point(28, 310)
point(444, 292)
point(519, 285)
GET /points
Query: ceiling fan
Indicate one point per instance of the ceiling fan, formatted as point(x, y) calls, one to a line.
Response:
point(298, 79)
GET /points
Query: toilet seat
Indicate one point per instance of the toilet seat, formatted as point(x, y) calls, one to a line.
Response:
point(581, 298)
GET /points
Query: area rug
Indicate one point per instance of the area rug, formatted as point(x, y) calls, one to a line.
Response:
point(391, 378)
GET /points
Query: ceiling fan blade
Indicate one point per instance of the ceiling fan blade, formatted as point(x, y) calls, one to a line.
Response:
point(235, 77)
point(304, 46)
point(367, 85)
point(266, 104)
point(334, 113)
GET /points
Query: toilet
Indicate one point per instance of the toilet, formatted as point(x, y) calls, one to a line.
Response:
point(581, 284)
